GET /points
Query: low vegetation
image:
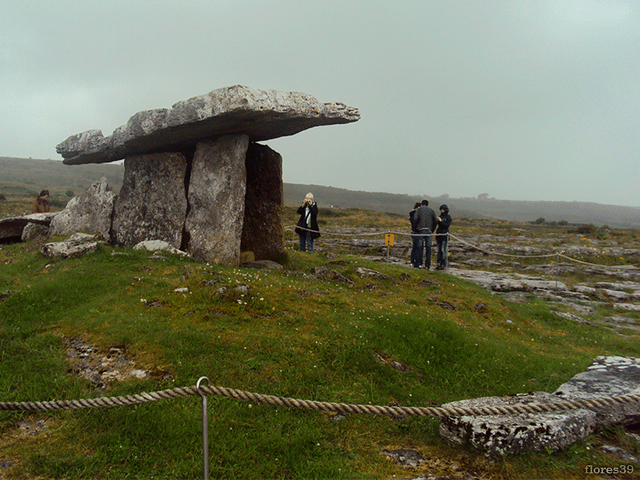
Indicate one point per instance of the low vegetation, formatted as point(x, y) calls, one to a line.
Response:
point(294, 335)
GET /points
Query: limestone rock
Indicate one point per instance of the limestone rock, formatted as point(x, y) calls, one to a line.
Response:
point(91, 211)
point(263, 230)
point(217, 192)
point(76, 245)
point(157, 245)
point(33, 231)
point(607, 377)
point(497, 435)
point(152, 204)
point(236, 110)
point(11, 228)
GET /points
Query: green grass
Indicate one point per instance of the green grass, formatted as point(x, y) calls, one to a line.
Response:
point(294, 336)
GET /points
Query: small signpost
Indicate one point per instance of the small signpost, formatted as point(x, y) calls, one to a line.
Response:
point(388, 241)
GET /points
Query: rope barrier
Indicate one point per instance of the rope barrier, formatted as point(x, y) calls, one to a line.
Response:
point(475, 247)
point(328, 407)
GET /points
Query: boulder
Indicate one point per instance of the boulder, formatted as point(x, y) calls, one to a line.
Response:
point(76, 245)
point(263, 230)
point(498, 435)
point(236, 110)
point(91, 212)
point(11, 228)
point(33, 231)
point(152, 203)
point(217, 190)
point(157, 245)
point(607, 377)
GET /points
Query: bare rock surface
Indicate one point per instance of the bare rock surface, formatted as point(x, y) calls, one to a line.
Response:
point(235, 110)
point(91, 212)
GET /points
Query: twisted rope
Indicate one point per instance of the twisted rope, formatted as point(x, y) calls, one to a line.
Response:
point(475, 247)
point(344, 408)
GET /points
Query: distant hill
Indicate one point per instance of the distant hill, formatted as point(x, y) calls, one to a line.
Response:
point(517, 211)
point(29, 176)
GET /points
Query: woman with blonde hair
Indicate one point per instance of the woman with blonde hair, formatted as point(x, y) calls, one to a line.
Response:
point(307, 227)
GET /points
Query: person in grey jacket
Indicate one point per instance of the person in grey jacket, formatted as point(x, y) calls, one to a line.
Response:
point(424, 221)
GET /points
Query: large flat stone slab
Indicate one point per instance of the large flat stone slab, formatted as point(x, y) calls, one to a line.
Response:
point(497, 435)
point(216, 195)
point(152, 204)
point(260, 114)
point(263, 232)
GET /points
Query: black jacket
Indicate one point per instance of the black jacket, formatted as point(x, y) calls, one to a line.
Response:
point(314, 220)
point(445, 220)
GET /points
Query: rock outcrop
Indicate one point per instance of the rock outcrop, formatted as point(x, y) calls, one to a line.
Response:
point(195, 176)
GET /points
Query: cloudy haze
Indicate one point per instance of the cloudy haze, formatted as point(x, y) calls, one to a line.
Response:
point(521, 100)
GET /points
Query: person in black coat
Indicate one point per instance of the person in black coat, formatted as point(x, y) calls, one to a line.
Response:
point(442, 237)
point(307, 227)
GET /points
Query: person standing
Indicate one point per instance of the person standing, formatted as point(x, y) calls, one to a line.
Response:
point(307, 227)
point(414, 237)
point(442, 237)
point(424, 224)
point(41, 204)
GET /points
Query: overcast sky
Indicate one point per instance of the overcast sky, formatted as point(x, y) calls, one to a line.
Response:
point(522, 100)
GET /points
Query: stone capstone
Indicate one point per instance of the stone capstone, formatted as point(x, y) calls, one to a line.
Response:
point(91, 212)
point(236, 110)
point(217, 192)
point(152, 204)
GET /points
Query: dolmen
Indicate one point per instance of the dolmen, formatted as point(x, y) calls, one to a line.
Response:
point(195, 175)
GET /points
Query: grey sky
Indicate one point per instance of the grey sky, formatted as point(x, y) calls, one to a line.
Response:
point(523, 100)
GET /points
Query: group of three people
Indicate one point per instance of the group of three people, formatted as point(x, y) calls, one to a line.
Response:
point(424, 223)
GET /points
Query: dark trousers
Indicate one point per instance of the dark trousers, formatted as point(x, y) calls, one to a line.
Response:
point(441, 243)
point(420, 242)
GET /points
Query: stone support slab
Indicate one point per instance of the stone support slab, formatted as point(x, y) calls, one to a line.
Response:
point(217, 190)
point(263, 232)
point(152, 204)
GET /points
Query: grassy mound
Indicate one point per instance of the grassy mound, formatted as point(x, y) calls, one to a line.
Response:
point(414, 338)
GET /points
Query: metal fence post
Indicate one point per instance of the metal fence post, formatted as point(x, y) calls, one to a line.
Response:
point(205, 430)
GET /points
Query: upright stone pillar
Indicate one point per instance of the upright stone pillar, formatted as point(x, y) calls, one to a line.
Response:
point(216, 196)
point(152, 204)
point(263, 231)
